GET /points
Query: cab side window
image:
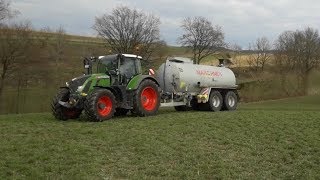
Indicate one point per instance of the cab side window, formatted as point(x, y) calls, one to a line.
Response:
point(127, 67)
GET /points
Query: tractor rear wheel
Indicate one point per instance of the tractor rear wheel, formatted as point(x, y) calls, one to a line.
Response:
point(60, 112)
point(100, 105)
point(146, 99)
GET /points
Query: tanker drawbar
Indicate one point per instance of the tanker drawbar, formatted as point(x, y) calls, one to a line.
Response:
point(186, 85)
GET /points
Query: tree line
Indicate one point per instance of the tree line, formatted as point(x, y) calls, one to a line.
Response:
point(128, 30)
point(17, 38)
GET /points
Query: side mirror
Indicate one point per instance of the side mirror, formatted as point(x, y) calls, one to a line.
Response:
point(87, 65)
point(93, 59)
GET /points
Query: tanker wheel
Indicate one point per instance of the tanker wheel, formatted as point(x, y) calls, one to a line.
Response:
point(146, 99)
point(121, 112)
point(215, 101)
point(100, 105)
point(60, 112)
point(230, 101)
point(194, 104)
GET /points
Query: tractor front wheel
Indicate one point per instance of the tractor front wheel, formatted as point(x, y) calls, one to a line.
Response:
point(60, 112)
point(146, 99)
point(100, 105)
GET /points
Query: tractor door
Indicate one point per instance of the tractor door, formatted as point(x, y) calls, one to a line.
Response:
point(128, 68)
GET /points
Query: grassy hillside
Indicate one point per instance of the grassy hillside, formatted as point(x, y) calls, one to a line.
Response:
point(40, 77)
point(37, 77)
point(266, 140)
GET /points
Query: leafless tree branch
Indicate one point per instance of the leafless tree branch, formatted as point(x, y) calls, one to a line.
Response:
point(6, 11)
point(261, 54)
point(299, 51)
point(15, 40)
point(128, 31)
point(202, 37)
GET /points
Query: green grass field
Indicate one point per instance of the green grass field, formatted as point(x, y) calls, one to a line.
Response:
point(266, 140)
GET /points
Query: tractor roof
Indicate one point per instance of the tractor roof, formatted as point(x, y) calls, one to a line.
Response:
point(125, 55)
point(132, 55)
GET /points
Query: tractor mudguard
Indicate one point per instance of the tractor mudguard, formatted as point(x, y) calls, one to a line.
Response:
point(135, 81)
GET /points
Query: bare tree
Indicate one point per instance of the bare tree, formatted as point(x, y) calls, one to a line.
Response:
point(283, 58)
point(56, 41)
point(236, 54)
point(300, 52)
point(285, 52)
point(161, 49)
point(59, 45)
point(128, 30)
point(44, 36)
point(260, 54)
point(6, 11)
point(159, 54)
point(15, 39)
point(202, 37)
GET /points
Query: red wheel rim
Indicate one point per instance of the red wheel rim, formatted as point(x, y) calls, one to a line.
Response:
point(149, 98)
point(104, 105)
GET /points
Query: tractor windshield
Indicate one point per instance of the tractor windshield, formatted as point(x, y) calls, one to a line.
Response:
point(130, 66)
point(107, 63)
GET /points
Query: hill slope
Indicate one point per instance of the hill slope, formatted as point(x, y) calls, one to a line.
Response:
point(274, 139)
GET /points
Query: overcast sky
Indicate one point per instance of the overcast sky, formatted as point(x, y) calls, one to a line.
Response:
point(242, 20)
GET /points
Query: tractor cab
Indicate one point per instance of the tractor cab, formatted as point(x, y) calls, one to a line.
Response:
point(120, 67)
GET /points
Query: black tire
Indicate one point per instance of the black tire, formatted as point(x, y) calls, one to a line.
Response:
point(121, 112)
point(194, 104)
point(100, 105)
point(183, 108)
point(139, 107)
point(230, 101)
point(215, 101)
point(60, 112)
point(203, 107)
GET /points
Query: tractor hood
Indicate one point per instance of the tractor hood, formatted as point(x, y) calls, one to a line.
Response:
point(76, 82)
point(85, 83)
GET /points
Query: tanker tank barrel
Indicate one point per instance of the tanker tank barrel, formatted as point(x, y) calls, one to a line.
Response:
point(177, 74)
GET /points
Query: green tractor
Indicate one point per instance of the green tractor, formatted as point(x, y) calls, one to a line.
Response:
point(115, 87)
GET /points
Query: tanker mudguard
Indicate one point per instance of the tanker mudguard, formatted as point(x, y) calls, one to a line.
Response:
point(135, 81)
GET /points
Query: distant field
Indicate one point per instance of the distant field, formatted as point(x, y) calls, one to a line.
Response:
point(265, 140)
